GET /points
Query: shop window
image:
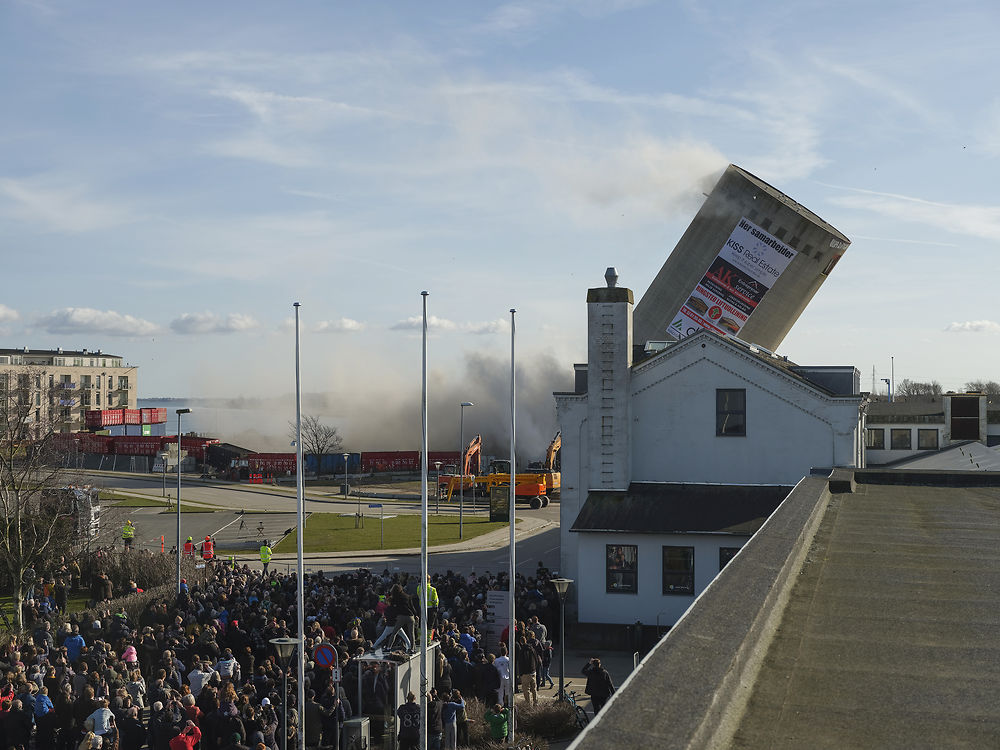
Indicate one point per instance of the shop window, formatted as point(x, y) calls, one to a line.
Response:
point(678, 570)
point(726, 554)
point(622, 569)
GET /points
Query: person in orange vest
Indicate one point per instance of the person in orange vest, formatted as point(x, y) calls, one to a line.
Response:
point(189, 548)
point(208, 549)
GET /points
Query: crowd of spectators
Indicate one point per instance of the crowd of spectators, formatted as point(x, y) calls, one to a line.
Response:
point(196, 671)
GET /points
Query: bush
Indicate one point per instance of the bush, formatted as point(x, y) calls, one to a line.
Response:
point(548, 720)
point(149, 570)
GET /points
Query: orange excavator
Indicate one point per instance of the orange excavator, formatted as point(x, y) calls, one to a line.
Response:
point(549, 468)
point(529, 487)
point(472, 458)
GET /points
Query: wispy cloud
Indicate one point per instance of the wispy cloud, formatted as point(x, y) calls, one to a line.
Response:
point(343, 325)
point(484, 328)
point(416, 323)
point(86, 320)
point(209, 322)
point(8, 314)
point(974, 220)
point(263, 148)
point(500, 325)
point(56, 205)
point(974, 326)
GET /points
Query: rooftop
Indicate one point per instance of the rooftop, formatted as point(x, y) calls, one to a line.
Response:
point(57, 352)
point(674, 508)
point(862, 614)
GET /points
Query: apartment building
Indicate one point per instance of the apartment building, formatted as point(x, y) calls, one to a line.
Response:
point(63, 384)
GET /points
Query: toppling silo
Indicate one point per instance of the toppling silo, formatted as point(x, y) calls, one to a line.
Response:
point(747, 266)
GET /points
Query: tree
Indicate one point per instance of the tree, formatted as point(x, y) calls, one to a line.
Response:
point(990, 387)
point(37, 516)
point(910, 388)
point(317, 438)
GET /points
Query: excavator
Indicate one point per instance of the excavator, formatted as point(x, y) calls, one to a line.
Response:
point(549, 468)
point(472, 458)
point(530, 487)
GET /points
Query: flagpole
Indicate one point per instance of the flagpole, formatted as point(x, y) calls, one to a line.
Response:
point(423, 532)
point(510, 586)
point(300, 507)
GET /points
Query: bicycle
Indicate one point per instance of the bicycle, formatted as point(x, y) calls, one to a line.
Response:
point(569, 696)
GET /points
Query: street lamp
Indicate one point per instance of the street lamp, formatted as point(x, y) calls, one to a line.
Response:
point(285, 648)
point(562, 586)
point(179, 412)
point(461, 460)
point(437, 494)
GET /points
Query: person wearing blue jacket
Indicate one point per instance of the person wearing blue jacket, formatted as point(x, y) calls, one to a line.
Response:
point(451, 704)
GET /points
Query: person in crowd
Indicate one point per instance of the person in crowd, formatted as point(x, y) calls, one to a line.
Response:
point(599, 684)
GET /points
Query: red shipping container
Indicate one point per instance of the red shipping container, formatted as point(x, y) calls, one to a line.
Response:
point(132, 416)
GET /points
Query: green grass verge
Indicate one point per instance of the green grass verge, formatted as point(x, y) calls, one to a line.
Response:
point(331, 532)
point(117, 500)
point(75, 602)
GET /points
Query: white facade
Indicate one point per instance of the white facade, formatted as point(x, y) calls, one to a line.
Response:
point(789, 426)
point(651, 604)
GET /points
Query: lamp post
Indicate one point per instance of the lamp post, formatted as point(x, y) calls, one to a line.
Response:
point(437, 492)
point(179, 412)
point(347, 485)
point(461, 460)
point(285, 648)
point(562, 586)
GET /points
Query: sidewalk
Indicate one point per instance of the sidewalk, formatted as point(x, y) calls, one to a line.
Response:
point(618, 663)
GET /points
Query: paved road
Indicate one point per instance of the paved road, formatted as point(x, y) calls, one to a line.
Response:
point(271, 513)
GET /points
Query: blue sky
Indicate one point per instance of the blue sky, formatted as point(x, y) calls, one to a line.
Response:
point(174, 175)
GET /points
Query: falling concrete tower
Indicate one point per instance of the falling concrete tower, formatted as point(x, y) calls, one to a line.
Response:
point(747, 266)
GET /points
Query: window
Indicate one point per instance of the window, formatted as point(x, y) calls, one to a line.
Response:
point(901, 439)
point(875, 438)
point(678, 570)
point(965, 418)
point(927, 440)
point(726, 554)
point(731, 412)
point(621, 568)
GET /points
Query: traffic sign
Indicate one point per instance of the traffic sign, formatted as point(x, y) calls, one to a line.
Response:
point(374, 505)
point(324, 655)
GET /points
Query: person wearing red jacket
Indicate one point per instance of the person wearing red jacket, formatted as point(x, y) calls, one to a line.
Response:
point(189, 737)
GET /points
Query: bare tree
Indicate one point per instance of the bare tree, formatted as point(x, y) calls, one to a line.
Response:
point(910, 388)
point(990, 387)
point(317, 438)
point(37, 518)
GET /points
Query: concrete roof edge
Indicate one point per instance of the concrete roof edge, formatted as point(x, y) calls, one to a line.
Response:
point(702, 673)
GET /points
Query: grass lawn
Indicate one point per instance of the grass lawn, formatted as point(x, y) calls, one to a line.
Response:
point(132, 501)
point(76, 602)
point(331, 532)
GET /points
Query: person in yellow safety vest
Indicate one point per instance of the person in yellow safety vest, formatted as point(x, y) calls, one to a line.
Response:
point(265, 555)
point(208, 549)
point(432, 604)
point(189, 548)
point(128, 534)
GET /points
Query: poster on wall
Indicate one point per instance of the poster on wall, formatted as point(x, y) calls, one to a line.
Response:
point(734, 284)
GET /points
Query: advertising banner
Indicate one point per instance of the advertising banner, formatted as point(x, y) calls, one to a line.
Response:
point(735, 282)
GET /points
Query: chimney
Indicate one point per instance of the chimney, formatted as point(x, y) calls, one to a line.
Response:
point(609, 362)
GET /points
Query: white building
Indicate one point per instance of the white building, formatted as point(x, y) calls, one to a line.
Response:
point(904, 429)
point(736, 424)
